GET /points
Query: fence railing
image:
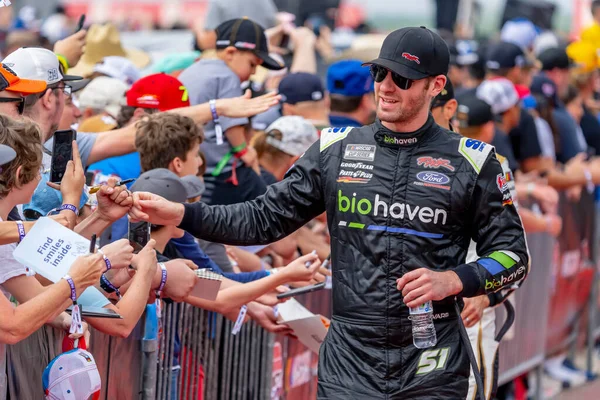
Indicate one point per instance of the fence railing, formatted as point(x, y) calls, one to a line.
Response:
point(190, 354)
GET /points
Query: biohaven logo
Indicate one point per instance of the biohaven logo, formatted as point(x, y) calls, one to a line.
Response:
point(399, 141)
point(504, 280)
point(395, 210)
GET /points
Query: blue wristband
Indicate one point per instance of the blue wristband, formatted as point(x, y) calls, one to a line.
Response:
point(21, 230)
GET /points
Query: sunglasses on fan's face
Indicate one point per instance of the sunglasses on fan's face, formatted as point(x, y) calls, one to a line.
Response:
point(379, 73)
point(19, 100)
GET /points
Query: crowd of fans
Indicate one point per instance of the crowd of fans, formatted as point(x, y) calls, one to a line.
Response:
point(221, 124)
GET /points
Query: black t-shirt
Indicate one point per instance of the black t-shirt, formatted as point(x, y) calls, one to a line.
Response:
point(524, 138)
point(268, 177)
point(503, 147)
point(591, 130)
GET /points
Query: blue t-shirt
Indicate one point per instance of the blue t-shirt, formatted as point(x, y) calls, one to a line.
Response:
point(339, 121)
point(572, 141)
point(190, 250)
point(125, 167)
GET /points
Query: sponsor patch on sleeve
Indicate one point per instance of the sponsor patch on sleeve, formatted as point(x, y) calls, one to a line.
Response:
point(475, 151)
point(331, 135)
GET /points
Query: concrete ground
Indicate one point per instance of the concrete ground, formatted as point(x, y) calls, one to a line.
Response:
point(590, 391)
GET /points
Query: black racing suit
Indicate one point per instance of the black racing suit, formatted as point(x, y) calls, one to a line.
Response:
point(395, 203)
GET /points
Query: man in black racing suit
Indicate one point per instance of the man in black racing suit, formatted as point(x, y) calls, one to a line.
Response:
point(402, 207)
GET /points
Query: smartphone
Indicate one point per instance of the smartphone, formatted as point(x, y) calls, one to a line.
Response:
point(139, 235)
point(80, 23)
point(302, 290)
point(62, 152)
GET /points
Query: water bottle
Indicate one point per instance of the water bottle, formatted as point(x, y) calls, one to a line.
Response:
point(423, 329)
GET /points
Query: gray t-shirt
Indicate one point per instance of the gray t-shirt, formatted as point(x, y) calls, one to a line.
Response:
point(207, 80)
point(262, 12)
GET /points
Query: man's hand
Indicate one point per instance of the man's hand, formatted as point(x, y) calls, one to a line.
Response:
point(113, 202)
point(155, 209)
point(245, 106)
point(71, 185)
point(265, 317)
point(473, 310)
point(423, 285)
point(119, 253)
point(180, 280)
point(547, 196)
point(553, 224)
point(72, 47)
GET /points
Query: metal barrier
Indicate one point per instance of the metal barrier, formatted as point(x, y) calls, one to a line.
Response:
point(191, 344)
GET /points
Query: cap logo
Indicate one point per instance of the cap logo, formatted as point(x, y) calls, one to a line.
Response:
point(548, 89)
point(316, 96)
point(8, 66)
point(148, 100)
point(411, 57)
point(245, 45)
point(53, 75)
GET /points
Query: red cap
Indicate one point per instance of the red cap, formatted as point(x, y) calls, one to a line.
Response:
point(159, 91)
point(523, 91)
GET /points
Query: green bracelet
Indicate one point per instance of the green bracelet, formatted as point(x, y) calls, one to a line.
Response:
point(239, 148)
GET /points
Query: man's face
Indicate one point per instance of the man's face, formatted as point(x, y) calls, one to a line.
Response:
point(457, 75)
point(396, 105)
point(244, 63)
point(71, 115)
point(10, 109)
point(57, 105)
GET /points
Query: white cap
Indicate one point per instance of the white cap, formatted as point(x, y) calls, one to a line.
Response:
point(37, 63)
point(104, 93)
point(72, 375)
point(297, 135)
point(521, 32)
point(499, 93)
point(120, 68)
point(546, 40)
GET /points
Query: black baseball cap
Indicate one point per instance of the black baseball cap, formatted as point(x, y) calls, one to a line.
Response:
point(472, 111)
point(555, 57)
point(414, 53)
point(445, 95)
point(301, 86)
point(506, 55)
point(245, 34)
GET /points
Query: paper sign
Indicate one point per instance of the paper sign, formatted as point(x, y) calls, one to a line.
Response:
point(50, 249)
point(308, 327)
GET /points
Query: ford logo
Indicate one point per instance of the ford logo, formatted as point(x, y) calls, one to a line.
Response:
point(433, 177)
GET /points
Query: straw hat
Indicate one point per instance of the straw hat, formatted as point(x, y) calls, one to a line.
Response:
point(103, 41)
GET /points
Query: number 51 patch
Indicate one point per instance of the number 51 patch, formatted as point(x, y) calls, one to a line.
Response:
point(432, 360)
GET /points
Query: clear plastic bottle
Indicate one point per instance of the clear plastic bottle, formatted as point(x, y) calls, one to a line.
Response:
point(423, 329)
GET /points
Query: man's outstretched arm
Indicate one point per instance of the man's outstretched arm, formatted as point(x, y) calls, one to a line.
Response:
point(285, 207)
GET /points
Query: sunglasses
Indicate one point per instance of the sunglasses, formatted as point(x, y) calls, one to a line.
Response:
point(379, 73)
point(20, 100)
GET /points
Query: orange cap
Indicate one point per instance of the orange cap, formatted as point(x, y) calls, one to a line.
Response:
point(11, 82)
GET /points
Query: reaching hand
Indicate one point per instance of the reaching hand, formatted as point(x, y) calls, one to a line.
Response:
point(297, 271)
point(473, 310)
point(71, 185)
point(146, 258)
point(245, 106)
point(180, 280)
point(155, 209)
point(113, 202)
point(86, 271)
point(119, 253)
point(265, 317)
point(72, 47)
point(270, 298)
point(423, 285)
